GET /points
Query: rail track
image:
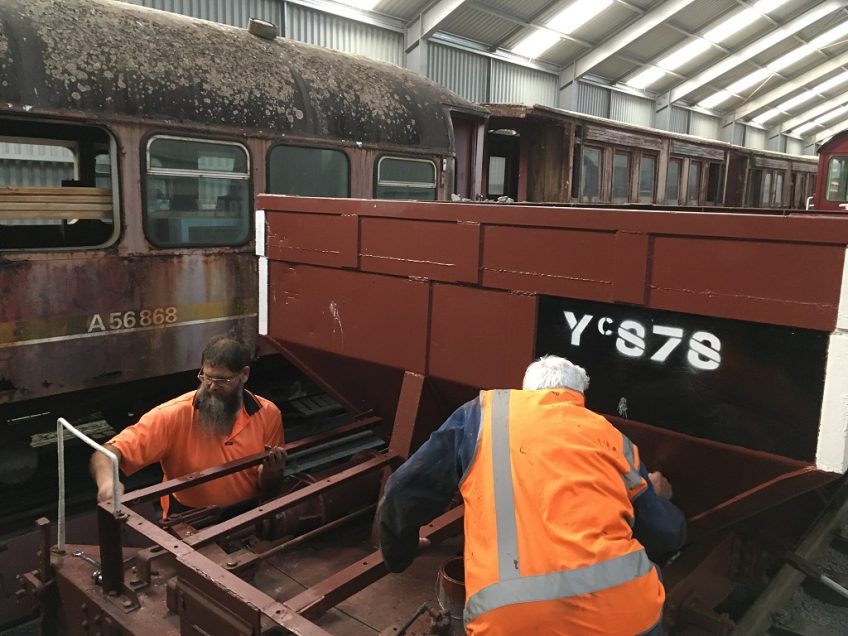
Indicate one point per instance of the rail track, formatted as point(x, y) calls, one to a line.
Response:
point(804, 597)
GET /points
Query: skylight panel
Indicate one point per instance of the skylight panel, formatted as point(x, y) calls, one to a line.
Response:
point(715, 99)
point(646, 77)
point(833, 82)
point(536, 43)
point(828, 37)
point(695, 47)
point(836, 112)
point(749, 80)
point(800, 130)
point(565, 22)
point(682, 55)
point(770, 114)
point(804, 97)
point(576, 15)
point(365, 5)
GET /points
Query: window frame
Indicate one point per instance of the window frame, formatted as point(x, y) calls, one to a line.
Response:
point(146, 143)
point(410, 184)
point(115, 177)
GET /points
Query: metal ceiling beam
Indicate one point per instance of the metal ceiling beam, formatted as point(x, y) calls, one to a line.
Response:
point(793, 26)
point(827, 133)
point(778, 93)
point(429, 20)
point(810, 114)
point(636, 30)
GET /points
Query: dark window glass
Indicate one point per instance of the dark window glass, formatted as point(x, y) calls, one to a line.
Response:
point(837, 179)
point(754, 188)
point(62, 179)
point(310, 172)
point(672, 182)
point(590, 176)
point(647, 170)
point(714, 183)
point(621, 176)
point(400, 178)
point(694, 182)
point(198, 192)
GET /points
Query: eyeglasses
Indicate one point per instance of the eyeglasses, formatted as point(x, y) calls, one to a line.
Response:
point(219, 381)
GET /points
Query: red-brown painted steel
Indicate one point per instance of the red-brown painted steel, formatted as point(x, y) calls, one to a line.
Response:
point(418, 304)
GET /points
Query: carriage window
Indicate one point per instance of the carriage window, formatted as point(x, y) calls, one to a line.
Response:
point(310, 172)
point(590, 175)
point(768, 195)
point(198, 192)
point(672, 182)
point(837, 179)
point(714, 183)
point(778, 189)
point(621, 176)
point(497, 176)
point(399, 178)
point(56, 190)
point(694, 183)
point(647, 170)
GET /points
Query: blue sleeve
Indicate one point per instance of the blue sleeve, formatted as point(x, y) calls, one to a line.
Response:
point(420, 490)
point(660, 525)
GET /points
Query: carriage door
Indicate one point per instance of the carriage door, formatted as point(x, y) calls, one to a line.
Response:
point(466, 178)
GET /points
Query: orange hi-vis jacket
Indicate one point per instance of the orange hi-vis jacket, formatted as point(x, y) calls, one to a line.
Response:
point(549, 547)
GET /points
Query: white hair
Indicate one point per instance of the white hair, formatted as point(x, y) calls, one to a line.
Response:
point(553, 372)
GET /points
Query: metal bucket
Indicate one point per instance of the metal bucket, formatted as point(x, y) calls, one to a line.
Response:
point(450, 592)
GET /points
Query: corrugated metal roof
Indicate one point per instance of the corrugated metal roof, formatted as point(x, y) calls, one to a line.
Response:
point(611, 41)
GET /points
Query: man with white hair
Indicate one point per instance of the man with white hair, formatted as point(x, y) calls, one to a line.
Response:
point(559, 511)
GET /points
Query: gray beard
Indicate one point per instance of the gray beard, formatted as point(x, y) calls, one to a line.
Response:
point(217, 415)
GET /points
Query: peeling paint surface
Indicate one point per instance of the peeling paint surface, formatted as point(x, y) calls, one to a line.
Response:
point(100, 56)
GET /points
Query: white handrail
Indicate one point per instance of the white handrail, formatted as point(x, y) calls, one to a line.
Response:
point(62, 423)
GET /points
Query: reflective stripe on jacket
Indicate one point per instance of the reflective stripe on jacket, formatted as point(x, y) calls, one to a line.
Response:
point(549, 547)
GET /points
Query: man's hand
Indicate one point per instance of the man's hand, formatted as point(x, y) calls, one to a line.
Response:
point(661, 485)
point(271, 470)
point(105, 490)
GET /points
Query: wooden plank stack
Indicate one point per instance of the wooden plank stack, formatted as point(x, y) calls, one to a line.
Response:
point(22, 204)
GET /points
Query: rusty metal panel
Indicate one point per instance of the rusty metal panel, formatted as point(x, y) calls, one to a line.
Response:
point(376, 318)
point(407, 247)
point(316, 240)
point(557, 261)
point(747, 279)
point(482, 338)
point(157, 311)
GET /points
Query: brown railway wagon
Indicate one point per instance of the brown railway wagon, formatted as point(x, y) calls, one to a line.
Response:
point(544, 154)
point(708, 342)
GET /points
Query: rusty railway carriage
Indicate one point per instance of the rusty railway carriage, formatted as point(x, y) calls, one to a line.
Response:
point(543, 154)
point(707, 343)
point(832, 177)
point(114, 273)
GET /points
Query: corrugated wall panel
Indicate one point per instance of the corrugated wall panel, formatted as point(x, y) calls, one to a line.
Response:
point(703, 125)
point(35, 152)
point(631, 109)
point(794, 146)
point(755, 138)
point(679, 120)
point(465, 73)
point(20, 172)
point(518, 84)
point(333, 32)
point(593, 100)
point(223, 11)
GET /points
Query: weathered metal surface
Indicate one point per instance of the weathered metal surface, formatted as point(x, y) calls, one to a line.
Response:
point(481, 328)
point(83, 321)
point(98, 56)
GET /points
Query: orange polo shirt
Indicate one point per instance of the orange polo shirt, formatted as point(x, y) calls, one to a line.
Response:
point(168, 434)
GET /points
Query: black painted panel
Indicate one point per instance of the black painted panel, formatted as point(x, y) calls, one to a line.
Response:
point(754, 385)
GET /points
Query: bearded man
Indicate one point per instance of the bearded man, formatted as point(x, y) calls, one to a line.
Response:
point(219, 422)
